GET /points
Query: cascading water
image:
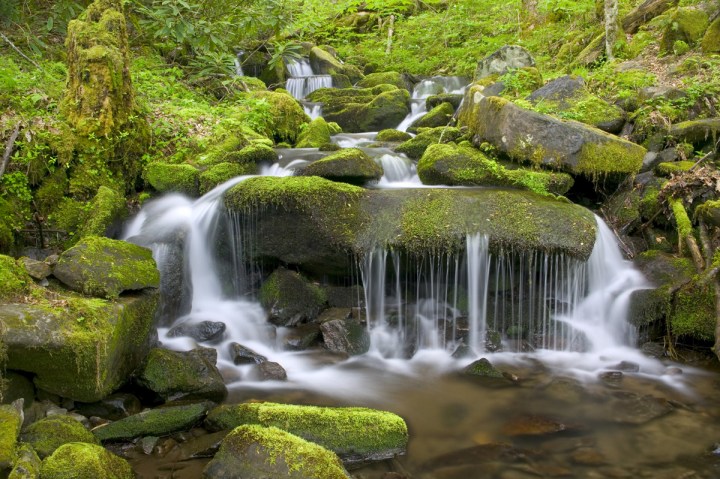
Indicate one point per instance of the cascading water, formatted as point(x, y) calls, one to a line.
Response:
point(427, 88)
point(304, 81)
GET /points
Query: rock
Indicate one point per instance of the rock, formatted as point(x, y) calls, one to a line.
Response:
point(113, 407)
point(653, 350)
point(159, 421)
point(697, 132)
point(415, 147)
point(453, 98)
point(253, 154)
point(345, 336)
point(355, 434)
point(202, 331)
point(290, 298)
point(627, 366)
point(85, 461)
point(106, 212)
point(687, 25)
point(559, 90)
point(105, 268)
point(349, 165)
point(383, 78)
point(270, 371)
point(527, 136)
point(482, 368)
point(174, 375)
point(80, 348)
point(255, 452)
point(448, 164)
point(205, 445)
point(482, 454)
point(323, 63)
point(711, 40)
point(532, 425)
point(391, 135)
point(301, 337)
point(38, 270)
point(660, 93)
point(10, 423)
point(17, 386)
point(611, 378)
point(167, 177)
point(286, 118)
point(27, 463)
point(588, 457)
point(244, 355)
point(438, 116)
point(633, 408)
point(48, 434)
point(315, 135)
point(709, 212)
point(502, 60)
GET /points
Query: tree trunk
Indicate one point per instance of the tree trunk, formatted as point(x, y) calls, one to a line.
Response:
point(645, 12)
point(611, 27)
point(391, 30)
point(530, 8)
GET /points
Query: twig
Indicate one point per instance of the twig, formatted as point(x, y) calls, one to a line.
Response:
point(20, 52)
point(9, 148)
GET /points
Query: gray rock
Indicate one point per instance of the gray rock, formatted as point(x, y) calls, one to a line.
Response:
point(270, 371)
point(560, 89)
point(301, 337)
point(345, 336)
point(202, 331)
point(113, 407)
point(18, 386)
point(499, 62)
point(660, 92)
point(38, 270)
point(244, 355)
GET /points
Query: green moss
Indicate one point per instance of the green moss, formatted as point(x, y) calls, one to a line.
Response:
point(315, 135)
point(709, 212)
point(223, 172)
point(51, 191)
point(291, 298)
point(415, 147)
point(482, 368)
point(687, 25)
point(252, 83)
point(286, 116)
point(383, 78)
point(598, 160)
point(349, 165)
point(711, 40)
point(256, 451)
point(680, 47)
point(438, 116)
point(541, 182)
point(667, 169)
point(10, 424)
point(47, 434)
point(253, 154)
point(14, 281)
point(694, 313)
point(649, 204)
point(27, 464)
point(391, 135)
point(107, 208)
point(334, 128)
point(684, 225)
point(165, 177)
point(346, 431)
point(85, 461)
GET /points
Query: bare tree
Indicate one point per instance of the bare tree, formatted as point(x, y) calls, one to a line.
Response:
point(611, 27)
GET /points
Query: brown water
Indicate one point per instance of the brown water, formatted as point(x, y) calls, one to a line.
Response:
point(542, 425)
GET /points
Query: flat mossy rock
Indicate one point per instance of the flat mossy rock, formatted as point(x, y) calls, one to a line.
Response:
point(14, 280)
point(106, 210)
point(166, 177)
point(324, 63)
point(104, 267)
point(438, 116)
point(253, 154)
point(667, 169)
point(290, 298)
point(222, 172)
point(315, 134)
point(353, 433)
point(383, 78)
point(78, 460)
point(286, 116)
point(11, 421)
point(697, 132)
point(415, 147)
point(392, 135)
point(527, 136)
point(160, 421)
point(687, 25)
point(711, 40)
point(256, 452)
point(174, 375)
point(452, 165)
point(349, 165)
point(80, 348)
point(48, 434)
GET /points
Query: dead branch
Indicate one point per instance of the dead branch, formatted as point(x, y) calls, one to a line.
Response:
point(9, 148)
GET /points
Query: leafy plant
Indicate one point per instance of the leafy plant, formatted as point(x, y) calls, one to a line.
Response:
point(283, 53)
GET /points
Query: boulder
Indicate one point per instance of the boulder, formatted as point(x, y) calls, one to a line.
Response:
point(697, 132)
point(383, 78)
point(453, 98)
point(113, 407)
point(438, 116)
point(244, 355)
point(167, 177)
point(349, 165)
point(80, 348)
point(202, 331)
point(253, 154)
point(256, 452)
point(286, 117)
point(482, 368)
point(502, 60)
point(559, 90)
point(686, 24)
point(527, 136)
point(174, 375)
point(392, 135)
point(11, 420)
point(415, 147)
point(78, 460)
point(324, 63)
point(355, 434)
point(345, 335)
point(315, 135)
point(222, 172)
point(709, 212)
point(290, 298)
point(105, 267)
point(48, 434)
point(711, 39)
point(160, 421)
point(269, 371)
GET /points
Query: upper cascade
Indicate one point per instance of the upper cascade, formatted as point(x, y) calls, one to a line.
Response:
point(303, 80)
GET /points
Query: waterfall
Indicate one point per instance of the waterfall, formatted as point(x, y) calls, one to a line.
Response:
point(303, 80)
point(426, 88)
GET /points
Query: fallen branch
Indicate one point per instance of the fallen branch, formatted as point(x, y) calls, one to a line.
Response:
point(20, 52)
point(9, 148)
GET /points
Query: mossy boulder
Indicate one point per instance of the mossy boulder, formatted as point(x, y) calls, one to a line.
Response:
point(166, 177)
point(78, 460)
point(27, 464)
point(315, 135)
point(80, 348)
point(107, 209)
point(711, 40)
point(709, 212)
point(452, 165)
point(286, 117)
point(160, 421)
point(392, 135)
point(353, 433)
point(669, 168)
point(415, 147)
point(349, 165)
point(253, 154)
point(48, 434)
point(434, 100)
point(383, 78)
point(11, 421)
point(174, 375)
point(685, 24)
point(438, 116)
point(482, 368)
point(531, 137)
point(222, 172)
point(14, 280)
point(345, 335)
point(324, 63)
point(256, 452)
point(694, 313)
point(504, 59)
point(696, 132)
point(290, 298)
point(104, 267)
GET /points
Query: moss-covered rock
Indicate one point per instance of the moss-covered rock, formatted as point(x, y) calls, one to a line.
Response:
point(222, 172)
point(669, 168)
point(159, 421)
point(438, 116)
point(392, 135)
point(383, 78)
point(14, 280)
point(453, 98)
point(709, 212)
point(251, 83)
point(104, 267)
point(415, 147)
point(47, 434)
point(349, 165)
point(27, 463)
point(253, 154)
point(290, 298)
point(482, 368)
point(10, 423)
point(696, 132)
point(79, 348)
point(286, 116)
point(345, 335)
point(315, 135)
point(257, 452)
point(711, 39)
point(355, 434)
point(108, 208)
point(324, 63)
point(85, 461)
point(174, 375)
point(685, 24)
point(165, 177)
point(694, 312)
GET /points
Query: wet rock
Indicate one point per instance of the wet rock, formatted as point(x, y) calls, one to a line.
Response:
point(202, 331)
point(482, 368)
point(463, 351)
point(256, 452)
point(78, 460)
point(113, 407)
point(270, 371)
point(611, 378)
point(160, 421)
point(203, 446)
point(345, 335)
point(697, 132)
point(291, 298)
point(174, 375)
point(532, 425)
point(38, 270)
point(301, 337)
point(673, 371)
point(48, 434)
point(484, 453)
point(148, 443)
point(11, 419)
point(438, 116)
point(502, 60)
point(588, 457)
point(434, 100)
point(627, 366)
point(349, 165)
point(633, 408)
point(244, 355)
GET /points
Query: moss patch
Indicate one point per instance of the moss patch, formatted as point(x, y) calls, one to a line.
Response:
point(27, 463)
point(222, 172)
point(599, 159)
point(694, 312)
point(391, 135)
point(85, 461)
point(10, 423)
point(667, 169)
point(107, 208)
point(166, 177)
point(14, 281)
point(687, 25)
point(315, 135)
point(711, 40)
point(47, 434)
point(438, 116)
point(291, 298)
point(286, 116)
point(382, 78)
point(415, 147)
point(349, 165)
